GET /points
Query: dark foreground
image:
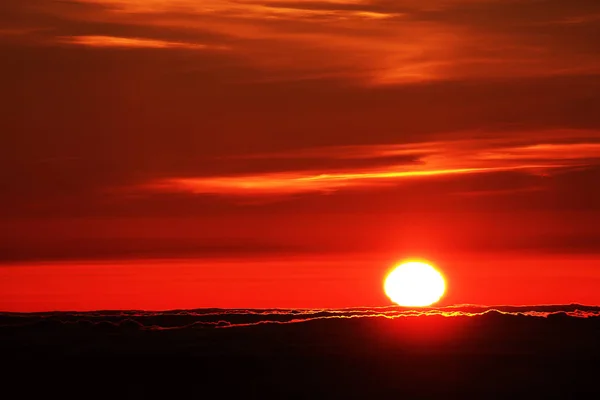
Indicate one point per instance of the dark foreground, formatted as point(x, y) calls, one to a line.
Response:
point(466, 352)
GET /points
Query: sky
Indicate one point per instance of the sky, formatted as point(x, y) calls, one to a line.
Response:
point(161, 154)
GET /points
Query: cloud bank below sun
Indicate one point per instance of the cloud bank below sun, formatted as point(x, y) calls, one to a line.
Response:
point(239, 318)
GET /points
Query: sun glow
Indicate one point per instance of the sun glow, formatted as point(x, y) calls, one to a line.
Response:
point(415, 284)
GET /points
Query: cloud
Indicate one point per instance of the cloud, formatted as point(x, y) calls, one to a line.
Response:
point(232, 318)
point(448, 106)
point(289, 183)
point(431, 159)
point(430, 356)
point(112, 41)
point(365, 42)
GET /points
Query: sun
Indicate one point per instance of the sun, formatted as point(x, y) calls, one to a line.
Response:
point(414, 284)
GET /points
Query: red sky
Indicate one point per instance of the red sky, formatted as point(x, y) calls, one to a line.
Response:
point(179, 153)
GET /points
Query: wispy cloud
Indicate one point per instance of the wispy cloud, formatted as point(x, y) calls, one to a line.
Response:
point(370, 42)
point(292, 183)
point(434, 159)
point(113, 41)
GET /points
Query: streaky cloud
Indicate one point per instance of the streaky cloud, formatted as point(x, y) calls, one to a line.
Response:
point(457, 157)
point(127, 42)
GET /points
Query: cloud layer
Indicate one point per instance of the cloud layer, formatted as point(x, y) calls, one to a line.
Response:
point(470, 352)
point(169, 127)
point(231, 318)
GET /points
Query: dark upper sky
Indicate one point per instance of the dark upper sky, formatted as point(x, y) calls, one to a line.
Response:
point(170, 128)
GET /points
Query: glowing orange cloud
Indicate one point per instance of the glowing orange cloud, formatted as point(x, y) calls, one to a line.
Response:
point(434, 159)
point(372, 43)
point(113, 41)
point(568, 151)
point(288, 183)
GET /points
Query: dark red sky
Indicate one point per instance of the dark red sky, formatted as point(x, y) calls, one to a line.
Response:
point(179, 153)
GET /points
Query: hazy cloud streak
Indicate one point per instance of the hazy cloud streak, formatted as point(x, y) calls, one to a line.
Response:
point(368, 42)
point(434, 159)
point(113, 41)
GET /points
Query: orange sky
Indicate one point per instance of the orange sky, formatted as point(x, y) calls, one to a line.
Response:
point(294, 132)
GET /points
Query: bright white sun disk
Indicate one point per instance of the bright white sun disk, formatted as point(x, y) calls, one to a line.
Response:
point(415, 284)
